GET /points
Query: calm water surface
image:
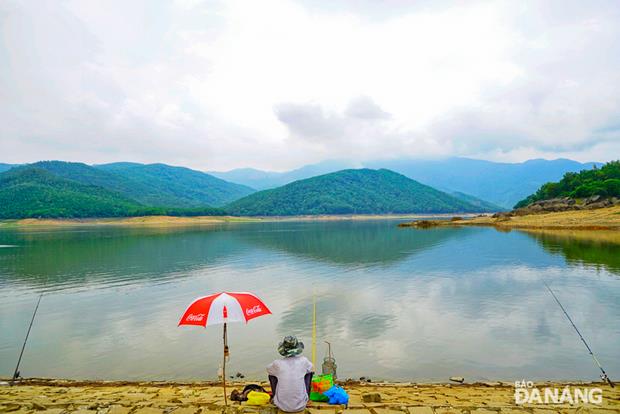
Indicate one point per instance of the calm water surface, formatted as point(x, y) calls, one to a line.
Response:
point(395, 303)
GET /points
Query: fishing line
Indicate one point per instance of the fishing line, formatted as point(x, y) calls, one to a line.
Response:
point(604, 375)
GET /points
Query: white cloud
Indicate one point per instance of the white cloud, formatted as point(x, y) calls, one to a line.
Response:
point(278, 83)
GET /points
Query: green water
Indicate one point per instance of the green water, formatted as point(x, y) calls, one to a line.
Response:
point(395, 303)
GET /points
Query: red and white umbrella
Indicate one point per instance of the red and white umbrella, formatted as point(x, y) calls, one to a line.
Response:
point(222, 308)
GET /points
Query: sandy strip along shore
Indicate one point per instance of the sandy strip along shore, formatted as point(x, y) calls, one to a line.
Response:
point(61, 396)
point(170, 221)
point(598, 219)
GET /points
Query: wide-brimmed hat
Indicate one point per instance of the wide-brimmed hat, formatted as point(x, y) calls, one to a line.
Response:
point(290, 346)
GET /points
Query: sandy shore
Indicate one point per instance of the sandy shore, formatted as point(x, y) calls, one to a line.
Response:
point(57, 397)
point(599, 219)
point(170, 221)
point(163, 221)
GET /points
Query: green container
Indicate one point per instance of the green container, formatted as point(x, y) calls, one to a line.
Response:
point(320, 384)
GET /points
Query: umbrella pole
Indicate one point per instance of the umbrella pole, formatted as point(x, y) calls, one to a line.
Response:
point(314, 331)
point(224, 365)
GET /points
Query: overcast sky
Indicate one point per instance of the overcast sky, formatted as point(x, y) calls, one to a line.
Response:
point(278, 84)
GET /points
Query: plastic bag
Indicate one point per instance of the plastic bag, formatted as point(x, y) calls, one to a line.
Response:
point(320, 384)
point(337, 395)
point(258, 398)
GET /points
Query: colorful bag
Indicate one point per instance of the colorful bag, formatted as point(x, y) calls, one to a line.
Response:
point(337, 395)
point(320, 384)
point(258, 398)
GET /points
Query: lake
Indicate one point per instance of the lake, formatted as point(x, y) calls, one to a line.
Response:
point(396, 303)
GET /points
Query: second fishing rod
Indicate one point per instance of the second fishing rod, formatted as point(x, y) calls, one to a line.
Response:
point(604, 375)
point(16, 373)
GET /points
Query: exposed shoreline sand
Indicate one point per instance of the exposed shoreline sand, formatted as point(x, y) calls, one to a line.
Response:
point(205, 220)
point(598, 219)
point(103, 397)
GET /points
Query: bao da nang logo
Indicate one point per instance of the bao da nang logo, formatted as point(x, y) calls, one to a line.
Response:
point(527, 393)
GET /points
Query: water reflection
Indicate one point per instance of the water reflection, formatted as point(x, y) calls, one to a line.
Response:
point(600, 249)
point(65, 258)
point(395, 303)
point(339, 314)
point(74, 257)
point(348, 243)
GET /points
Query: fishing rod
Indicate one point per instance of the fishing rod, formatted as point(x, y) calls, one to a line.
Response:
point(604, 375)
point(19, 360)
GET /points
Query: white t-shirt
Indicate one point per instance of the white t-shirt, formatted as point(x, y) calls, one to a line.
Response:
point(291, 394)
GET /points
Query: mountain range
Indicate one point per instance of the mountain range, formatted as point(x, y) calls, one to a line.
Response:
point(69, 189)
point(502, 184)
point(77, 190)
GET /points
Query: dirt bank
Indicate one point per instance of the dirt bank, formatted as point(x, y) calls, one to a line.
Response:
point(57, 397)
point(598, 219)
point(169, 221)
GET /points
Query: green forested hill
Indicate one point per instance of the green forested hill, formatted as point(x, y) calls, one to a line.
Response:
point(152, 185)
point(85, 174)
point(603, 181)
point(35, 192)
point(361, 191)
point(175, 186)
point(31, 191)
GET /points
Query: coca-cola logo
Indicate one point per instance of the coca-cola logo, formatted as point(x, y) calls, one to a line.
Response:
point(195, 317)
point(253, 310)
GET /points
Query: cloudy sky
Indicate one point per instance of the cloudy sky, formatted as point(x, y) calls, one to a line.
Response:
point(278, 84)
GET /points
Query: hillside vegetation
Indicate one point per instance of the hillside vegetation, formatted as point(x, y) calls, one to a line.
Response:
point(42, 190)
point(165, 185)
point(5, 167)
point(35, 192)
point(603, 181)
point(361, 191)
point(153, 184)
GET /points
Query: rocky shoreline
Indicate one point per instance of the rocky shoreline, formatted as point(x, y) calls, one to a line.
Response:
point(563, 204)
point(123, 397)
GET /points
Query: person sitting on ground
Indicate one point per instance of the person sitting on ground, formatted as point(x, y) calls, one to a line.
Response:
point(290, 376)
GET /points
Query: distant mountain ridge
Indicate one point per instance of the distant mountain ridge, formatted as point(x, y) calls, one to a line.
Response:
point(362, 191)
point(502, 184)
point(262, 180)
point(482, 204)
point(499, 183)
